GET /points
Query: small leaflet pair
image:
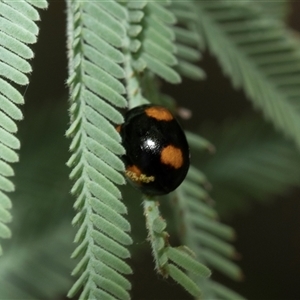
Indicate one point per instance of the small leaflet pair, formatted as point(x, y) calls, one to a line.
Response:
point(157, 155)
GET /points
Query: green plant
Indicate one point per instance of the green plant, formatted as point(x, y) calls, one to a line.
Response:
point(118, 51)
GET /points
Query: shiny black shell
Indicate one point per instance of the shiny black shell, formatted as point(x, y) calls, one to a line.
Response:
point(157, 153)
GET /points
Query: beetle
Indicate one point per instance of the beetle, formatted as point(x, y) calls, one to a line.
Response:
point(157, 155)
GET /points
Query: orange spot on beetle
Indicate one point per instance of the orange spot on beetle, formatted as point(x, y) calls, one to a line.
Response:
point(159, 113)
point(118, 128)
point(172, 156)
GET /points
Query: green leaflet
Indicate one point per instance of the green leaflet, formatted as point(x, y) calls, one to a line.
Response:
point(160, 69)
point(225, 293)
point(11, 93)
point(223, 265)
point(106, 243)
point(110, 285)
point(6, 185)
point(17, 31)
point(10, 109)
point(265, 65)
point(15, 61)
point(185, 260)
point(199, 142)
point(184, 280)
point(7, 154)
point(6, 169)
point(18, 28)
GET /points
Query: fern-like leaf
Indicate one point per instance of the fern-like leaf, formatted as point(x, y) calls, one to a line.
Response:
point(170, 261)
point(152, 38)
point(96, 32)
point(188, 40)
point(260, 55)
point(200, 230)
point(17, 29)
point(251, 160)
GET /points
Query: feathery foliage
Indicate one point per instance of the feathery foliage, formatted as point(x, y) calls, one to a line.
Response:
point(200, 230)
point(151, 50)
point(170, 261)
point(17, 30)
point(96, 32)
point(158, 57)
point(159, 60)
point(143, 56)
point(188, 40)
point(118, 52)
point(260, 55)
point(252, 160)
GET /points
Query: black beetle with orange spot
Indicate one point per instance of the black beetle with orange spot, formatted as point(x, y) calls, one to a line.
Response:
point(157, 153)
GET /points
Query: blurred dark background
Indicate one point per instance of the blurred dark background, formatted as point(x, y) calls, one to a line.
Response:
point(268, 236)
